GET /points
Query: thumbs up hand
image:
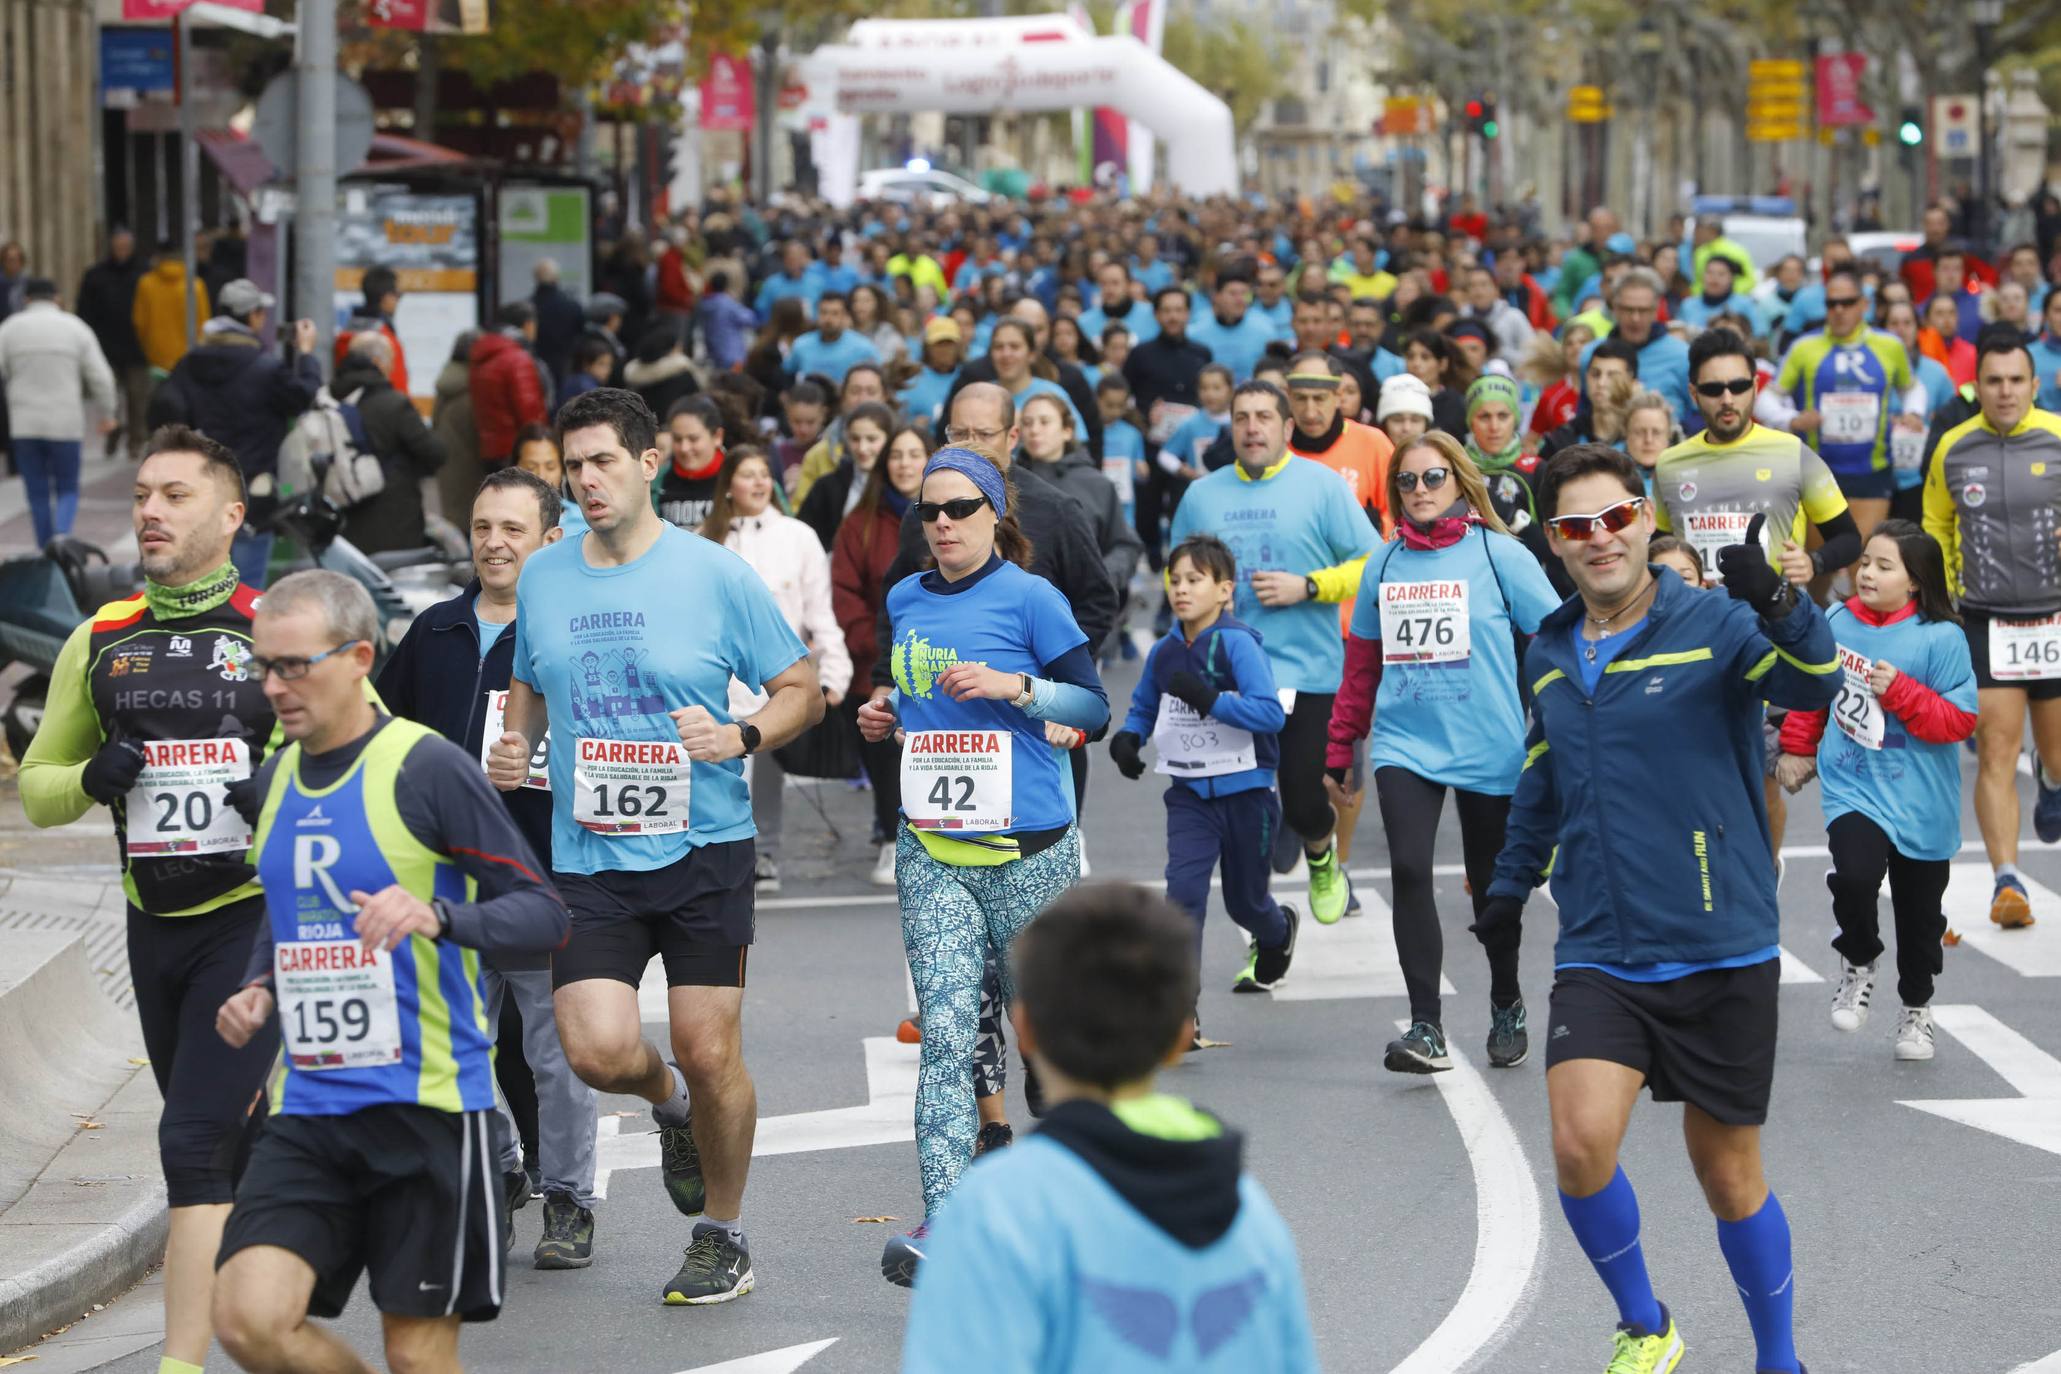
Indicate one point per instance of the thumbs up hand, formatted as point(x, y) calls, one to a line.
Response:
point(1748, 575)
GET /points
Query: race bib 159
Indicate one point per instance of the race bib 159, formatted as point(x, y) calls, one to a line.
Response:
point(496, 724)
point(336, 1004)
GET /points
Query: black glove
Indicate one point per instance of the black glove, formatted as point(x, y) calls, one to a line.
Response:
point(1123, 747)
point(1749, 577)
point(1336, 775)
point(113, 771)
point(1190, 688)
point(243, 795)
point(1500, 925)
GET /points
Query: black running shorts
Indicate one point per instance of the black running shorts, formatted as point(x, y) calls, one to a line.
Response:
point(1976, 624)
point(409, 1194)
point(696, 913)
point(1707, 1039)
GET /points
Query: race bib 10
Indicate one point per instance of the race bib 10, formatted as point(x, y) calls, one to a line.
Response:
point(1851, 417)
point(1192, 746)
point(180, 804)
point(336, 1004)
point(958, 779)
point(2025, 650)
point(496, 724)
point(631, 786)
point(1858, 711)
point(1710, 530)
point(1425, 622)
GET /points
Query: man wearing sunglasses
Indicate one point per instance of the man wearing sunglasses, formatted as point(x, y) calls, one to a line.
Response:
point(1666, 967)
point(1853, 384)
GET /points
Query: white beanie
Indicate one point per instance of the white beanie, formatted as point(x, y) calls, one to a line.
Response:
point(1403, 394)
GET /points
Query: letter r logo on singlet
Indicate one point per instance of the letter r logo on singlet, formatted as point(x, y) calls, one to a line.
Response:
point(313, 857)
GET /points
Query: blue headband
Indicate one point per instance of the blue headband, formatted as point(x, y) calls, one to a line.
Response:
point(975, 469)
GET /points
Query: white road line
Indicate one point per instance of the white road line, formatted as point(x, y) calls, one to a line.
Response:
point(2030, 951)
point(1354, 958)
point(2050, 1365)
point(1503, 1281)
point(1795, 970)
point(784, 1361)
point(2033, 1117)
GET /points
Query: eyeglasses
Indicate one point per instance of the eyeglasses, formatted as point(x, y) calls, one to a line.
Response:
point(1611, 518)
point(1738, 386)
point(961, 434)
point(1841, 303)
point(292, 669)
point(1432, 478)
point(960, 509)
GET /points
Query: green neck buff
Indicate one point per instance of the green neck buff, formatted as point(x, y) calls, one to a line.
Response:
point(204, 593)
point(1496, 462)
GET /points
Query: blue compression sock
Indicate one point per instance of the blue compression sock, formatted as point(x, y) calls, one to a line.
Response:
point(1606, 1225)
point(1757, 1249)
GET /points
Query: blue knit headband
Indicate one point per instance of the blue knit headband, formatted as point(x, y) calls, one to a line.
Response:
point(976, 469)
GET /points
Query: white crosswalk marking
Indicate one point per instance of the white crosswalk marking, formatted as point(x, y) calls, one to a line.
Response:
point(2031, 951)
point(2033, 1117)
point(1795, 970)
point(1355, 958)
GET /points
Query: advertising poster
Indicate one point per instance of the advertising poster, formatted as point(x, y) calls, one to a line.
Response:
point(544, 222)
point(432, 242)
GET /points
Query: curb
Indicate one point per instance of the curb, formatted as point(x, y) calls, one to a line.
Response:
point(98, 1269)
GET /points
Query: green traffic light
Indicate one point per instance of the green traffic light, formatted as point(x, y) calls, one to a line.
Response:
point(1911, 134)
point(1490, 129)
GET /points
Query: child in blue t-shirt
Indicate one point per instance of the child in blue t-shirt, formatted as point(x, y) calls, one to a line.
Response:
point(1181, 454)
point(1123, 438)
point(1889, 771)
point(1207, 701)
point(1127, 1203)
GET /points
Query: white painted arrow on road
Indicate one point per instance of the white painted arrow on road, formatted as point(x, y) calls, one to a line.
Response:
point(2034, 1116)
point(784, 1361)
point(887, 1118)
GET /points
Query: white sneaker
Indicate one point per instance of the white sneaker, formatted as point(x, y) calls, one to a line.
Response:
point(884, 867)
point(766, 874)
point(1914, 1033)
point(1850, 998)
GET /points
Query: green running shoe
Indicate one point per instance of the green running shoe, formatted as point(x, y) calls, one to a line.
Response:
point(1639, 1351)
point(715, 1269)
point(1329, 888)
point(1248, 977)
point(680, 1164)
point(568, 1241)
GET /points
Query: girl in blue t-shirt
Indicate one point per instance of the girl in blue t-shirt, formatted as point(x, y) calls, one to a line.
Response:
point(1432, 657)
point(1889, 771)
point(1181, 454)
point(989, 670)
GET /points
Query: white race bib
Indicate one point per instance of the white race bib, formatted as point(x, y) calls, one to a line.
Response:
point(336, 1004)
point(540, 752)
point(2025, 650)
point(1907, 449)
point(1858, 711)
point(1851, 417)
point(1171, 413)
point(1118, 471)
point(631, 786)
point(1425, 622)
point(1192, 746)
point(180, 804)
point(1710, 530)
point(958, 779)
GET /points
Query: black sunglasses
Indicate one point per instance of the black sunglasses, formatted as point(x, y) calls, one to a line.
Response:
point(1433, 479)
point(960, 509)
point(1841, 303)
point(1738, 386)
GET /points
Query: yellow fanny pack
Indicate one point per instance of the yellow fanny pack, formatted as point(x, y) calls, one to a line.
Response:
point(986, 851)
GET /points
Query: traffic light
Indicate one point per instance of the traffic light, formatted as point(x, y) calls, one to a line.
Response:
point(1911, 132)
point(1481, 117)
point(1490, 126)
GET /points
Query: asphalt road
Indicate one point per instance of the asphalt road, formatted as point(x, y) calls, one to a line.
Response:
point(1425, 1209)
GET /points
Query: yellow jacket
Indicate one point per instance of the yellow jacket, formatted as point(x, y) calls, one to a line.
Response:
point(159, 313)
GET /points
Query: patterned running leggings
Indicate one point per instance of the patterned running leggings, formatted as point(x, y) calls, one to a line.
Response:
point(953, 920)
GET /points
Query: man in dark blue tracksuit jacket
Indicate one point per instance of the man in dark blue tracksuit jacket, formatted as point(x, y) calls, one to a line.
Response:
point(1668, 959)
point(450, 672)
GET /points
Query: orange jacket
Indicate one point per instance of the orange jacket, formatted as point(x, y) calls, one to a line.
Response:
point(1361, 455)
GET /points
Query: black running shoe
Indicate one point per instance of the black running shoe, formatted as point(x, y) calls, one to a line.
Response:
point(568, 1241)
point(1033, 1091)
point(1422, 1049)
point(903, 1253)
point(1271, 965)
point(516, 1185)
point(680, 1163)
point(714, 1269)
point(1508, 1041)
point(994, 1135)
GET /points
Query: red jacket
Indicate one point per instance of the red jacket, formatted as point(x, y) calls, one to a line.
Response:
point(507, 394)
point(399, 376)
point(675, 292)
point(859, 556)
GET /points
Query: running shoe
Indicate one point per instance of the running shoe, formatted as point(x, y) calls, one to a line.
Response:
point(2010, 906)
point(884, 867)
point(1508, 1040)
point(2046, 812)
point(568, 1241)
point(680, 1164)
point(765, 874)
point(994, 1135)
point(910, 1032)
point(516, 1184)
point(1914, 1034)
point(714, 1269)
point(1329, 887)
point(903, 1253)
point(1850, 997)
point(1248, 979)
point(1639, 1351)
point(1271, 965)
point(1422, 1049)
point(1352, 900)
point(536, 1180)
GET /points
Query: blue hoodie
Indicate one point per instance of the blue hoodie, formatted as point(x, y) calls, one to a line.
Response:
point(1228, 657)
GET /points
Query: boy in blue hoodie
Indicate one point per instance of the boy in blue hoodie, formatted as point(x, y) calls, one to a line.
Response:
point(1207, 699)
point(1124, 1235)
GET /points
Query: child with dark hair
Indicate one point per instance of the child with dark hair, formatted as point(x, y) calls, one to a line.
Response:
point(1207, 700)
point(1126, 1227)
point(1890, 773)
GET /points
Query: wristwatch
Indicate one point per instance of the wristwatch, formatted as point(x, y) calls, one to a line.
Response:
point(748, 736)
point(1026, 696)
point(1309, 588)
point(443, 913)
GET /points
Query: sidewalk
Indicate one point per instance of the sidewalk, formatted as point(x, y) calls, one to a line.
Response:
point(104, 502)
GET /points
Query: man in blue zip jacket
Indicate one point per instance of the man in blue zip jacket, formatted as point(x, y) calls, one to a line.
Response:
point(1667, 962)
point(450, 672)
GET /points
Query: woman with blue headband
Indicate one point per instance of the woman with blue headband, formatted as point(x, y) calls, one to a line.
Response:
point(985, 657)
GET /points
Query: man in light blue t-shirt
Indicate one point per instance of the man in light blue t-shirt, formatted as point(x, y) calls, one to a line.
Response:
point(626, 639)
point(832, 348)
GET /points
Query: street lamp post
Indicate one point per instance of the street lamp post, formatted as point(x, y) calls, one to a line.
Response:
point(1986, 15)
point(768, 103)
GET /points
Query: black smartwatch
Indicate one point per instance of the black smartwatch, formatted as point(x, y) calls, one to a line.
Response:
point(1309, 587)
point(748, 735)
point(443, 917)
